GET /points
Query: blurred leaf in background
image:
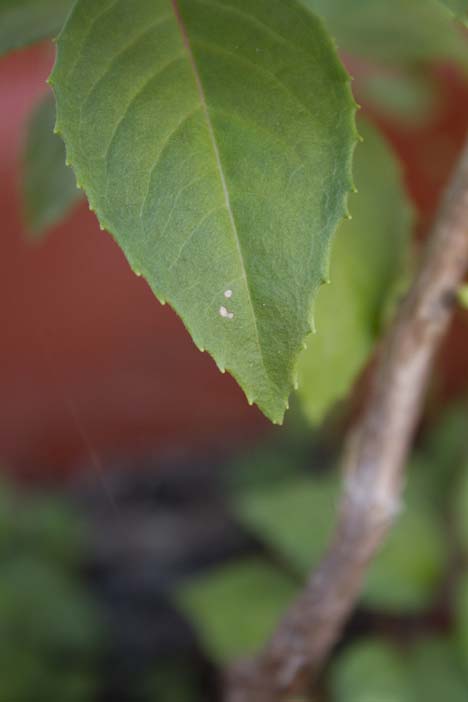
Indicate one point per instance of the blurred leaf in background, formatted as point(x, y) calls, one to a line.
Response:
point(461, 618)
point(42, 526)
point(50, 627)
point(396, 32)
point(370, 671)
point(294, 519)
point(459, 9)
point(437, 466)
point(172, 681)
point(407, 572)
point(374, 670)
point(291, 511)
point(460, 506)
point(24, 22)
point(234, 607)
point(407, 97)
point(49, 634)
point(369, 257)
point(49, 186)
point(436, 674)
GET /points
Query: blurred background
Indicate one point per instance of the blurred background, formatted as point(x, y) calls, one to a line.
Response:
point(153, 526)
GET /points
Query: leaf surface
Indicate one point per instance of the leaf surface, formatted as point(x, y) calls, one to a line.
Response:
point(49, 187)
point(24, 22)
point(369, 255)
point(214, 140)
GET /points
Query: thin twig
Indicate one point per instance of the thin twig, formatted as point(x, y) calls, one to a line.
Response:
point(373, 467)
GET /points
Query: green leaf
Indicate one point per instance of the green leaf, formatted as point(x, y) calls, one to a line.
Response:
point(42, 526)
point(461, 619)
point(369, 256)
point(435, 672)
point(463, 296)
point(214, 140)
point(435, 471)
point(51, 634)
point(24, 22)
point(459, 9)
point(49, 187)
point(370, 671)
point(172, 680)
point(294, 518)
point(373, 671)
point(401, 31)
point(235, 608)
point(460, 505)
point(405, 575)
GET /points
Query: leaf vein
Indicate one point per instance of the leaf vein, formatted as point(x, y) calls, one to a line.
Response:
point(94, 21)
point(222, 177)
point(176, 200)
point(128, 47)
point(259, 69)
point(135, 97)
point(162, 150)
point(252, 20)
point(206, 216)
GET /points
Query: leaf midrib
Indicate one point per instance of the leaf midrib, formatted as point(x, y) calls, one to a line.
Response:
point(204, 104)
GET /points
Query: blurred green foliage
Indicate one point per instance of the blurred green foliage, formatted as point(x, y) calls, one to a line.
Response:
point(370, 671)
point(234, 608)
point(373, 670)
point(49, 186)
point(50, 628)
point(394, 32)
point(405, 575)
point(172, 681)
point(292, 513)
point(44, 527)
point(348, 313)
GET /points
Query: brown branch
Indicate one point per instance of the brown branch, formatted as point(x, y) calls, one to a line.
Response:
point(373, 467)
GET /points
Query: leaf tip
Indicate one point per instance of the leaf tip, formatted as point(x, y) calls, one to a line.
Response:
point(278, 421)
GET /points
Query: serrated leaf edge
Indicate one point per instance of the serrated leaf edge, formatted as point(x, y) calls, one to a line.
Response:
point(138, 269)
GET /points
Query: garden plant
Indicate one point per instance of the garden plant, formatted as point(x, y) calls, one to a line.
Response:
point(219, 142)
